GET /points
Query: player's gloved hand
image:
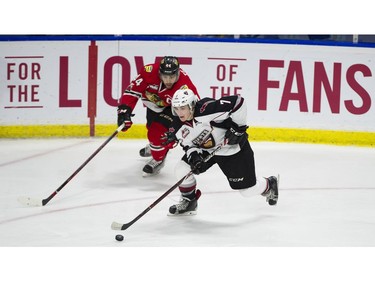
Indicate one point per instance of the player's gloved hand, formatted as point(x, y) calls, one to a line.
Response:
point(124, 116)
point(196, 162)
point(169, 140)
point(235, 133)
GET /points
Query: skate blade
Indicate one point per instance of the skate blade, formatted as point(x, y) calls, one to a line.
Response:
point(186, 214)
point(273, 202)
point(147, 175)
point(145, 156)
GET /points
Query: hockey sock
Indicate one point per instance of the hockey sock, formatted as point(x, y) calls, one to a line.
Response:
point(257, 189)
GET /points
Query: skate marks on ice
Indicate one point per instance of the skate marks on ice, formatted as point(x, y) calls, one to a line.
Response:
point(325, 198)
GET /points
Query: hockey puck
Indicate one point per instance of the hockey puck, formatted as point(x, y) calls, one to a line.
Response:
point(119, 237)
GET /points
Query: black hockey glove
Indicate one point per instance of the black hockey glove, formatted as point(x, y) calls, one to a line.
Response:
point(196, 162)
point(169, 140)
point(235, 133)
point(124, 116)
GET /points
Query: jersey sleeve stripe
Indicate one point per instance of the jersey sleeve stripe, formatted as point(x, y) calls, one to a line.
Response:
point(132, 93)
point(238, 104)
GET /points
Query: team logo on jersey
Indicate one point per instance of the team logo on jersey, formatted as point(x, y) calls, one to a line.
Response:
point(148, 68)
point(184, 87)
point(154, 98)
point(209, 143)
point(185, 132)
point(168, 99)
point(203, 107)
point(202, 138)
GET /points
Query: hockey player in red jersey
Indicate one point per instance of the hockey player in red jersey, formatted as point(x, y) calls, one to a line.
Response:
point(201, 127)
point(155, 86)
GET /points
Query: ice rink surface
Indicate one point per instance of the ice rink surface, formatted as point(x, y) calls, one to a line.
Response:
point(326, 200)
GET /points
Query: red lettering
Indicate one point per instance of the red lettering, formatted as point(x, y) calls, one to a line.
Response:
point(139, 63)
point(364, 95)
point(63, 87)
point(108, 75)
point(232, 71)
point(23, 71)
point(214, 89)
point(225, 92)
point(237, 91)
point(126, 73)
point(22, 93)
point(185, 60)
point(333, 94)
point(35, 68)
point(11, 92)
point(34, 93)
point(10, 69)
point(220, 72)
point(264, 83)
point(295, 69)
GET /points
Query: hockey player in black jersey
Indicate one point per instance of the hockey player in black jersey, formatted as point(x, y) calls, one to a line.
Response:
point(200, 127)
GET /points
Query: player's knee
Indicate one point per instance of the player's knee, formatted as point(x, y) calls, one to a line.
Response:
point(155, 133)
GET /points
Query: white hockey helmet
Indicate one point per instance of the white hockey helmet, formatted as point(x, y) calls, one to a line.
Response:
point(184, 97)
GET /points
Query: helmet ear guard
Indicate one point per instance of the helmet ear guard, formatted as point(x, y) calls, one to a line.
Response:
point(184, 97)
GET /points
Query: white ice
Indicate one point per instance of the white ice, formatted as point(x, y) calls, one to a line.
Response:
point(327, 198)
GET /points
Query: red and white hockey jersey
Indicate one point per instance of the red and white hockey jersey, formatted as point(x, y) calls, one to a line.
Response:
point(148, 87)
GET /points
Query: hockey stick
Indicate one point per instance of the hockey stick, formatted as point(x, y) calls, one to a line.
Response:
point(41, 202)
point(124, 226)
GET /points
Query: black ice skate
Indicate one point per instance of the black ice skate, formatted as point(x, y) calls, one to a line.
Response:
point(186, 207)
point(153, 167)
point(272, 191)
point(145, 152)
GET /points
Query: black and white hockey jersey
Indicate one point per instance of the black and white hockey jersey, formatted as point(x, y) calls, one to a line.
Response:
point(206, 131)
